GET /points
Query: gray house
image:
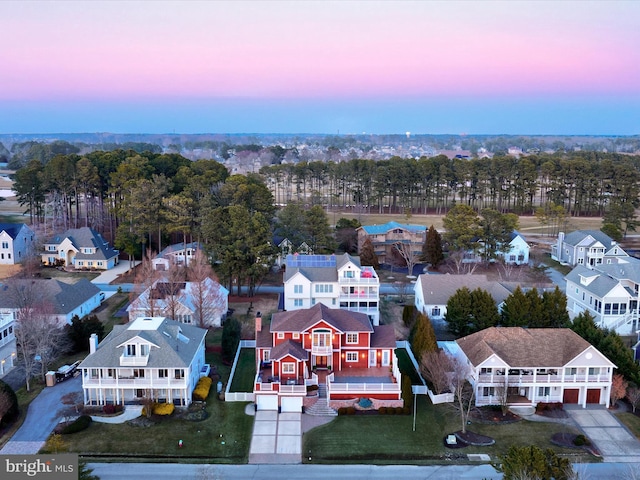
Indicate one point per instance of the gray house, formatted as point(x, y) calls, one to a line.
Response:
point(16, 242)
point(585, 247)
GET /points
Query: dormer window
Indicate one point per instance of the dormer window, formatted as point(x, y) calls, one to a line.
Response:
point(131, 351)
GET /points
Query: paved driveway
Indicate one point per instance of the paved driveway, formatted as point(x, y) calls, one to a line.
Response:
point(277, 437)
point(44, 413)
point(611, 438)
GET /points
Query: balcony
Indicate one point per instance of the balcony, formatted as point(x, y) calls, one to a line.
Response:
point(358, 281)
point(134, 361)
point(133, 382)
point(321, 350)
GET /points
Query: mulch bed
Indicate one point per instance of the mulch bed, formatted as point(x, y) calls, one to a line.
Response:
point(492, 415)
point(555, 413)
point(467, 438)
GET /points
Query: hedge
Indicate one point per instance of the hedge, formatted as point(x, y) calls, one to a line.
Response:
point(160, 409)
point(80, 423)
point(201, 392)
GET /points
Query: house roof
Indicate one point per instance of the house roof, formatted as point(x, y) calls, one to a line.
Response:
point(177, 344)
point(599, 286)
point(162, 293)
point(437, 289)
point(384, 228)
point(86, 237)
point(318, 268)
point(627, 269)
point(289, 347)
point(384, 336)
point(178, 247)
point(12, 229)
point(301, 320)
point(524, 347)
point(264, 338)
point(574, 238)
point(63, 297)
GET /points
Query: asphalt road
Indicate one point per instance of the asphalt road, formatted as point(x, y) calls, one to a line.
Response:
point(118, 471)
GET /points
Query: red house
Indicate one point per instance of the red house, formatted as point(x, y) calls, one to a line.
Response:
point(337, 350)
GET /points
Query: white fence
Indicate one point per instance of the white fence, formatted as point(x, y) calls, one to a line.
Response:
point(239, 396)
point(435, 399)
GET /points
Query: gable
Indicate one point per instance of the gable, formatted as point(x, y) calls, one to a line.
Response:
point(298, 278)
point(590, 357)
point(493, 361)
point(139, 340)
point(321, 325)
point(67, 244)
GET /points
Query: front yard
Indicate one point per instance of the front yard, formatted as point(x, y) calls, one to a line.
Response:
point(385, 439)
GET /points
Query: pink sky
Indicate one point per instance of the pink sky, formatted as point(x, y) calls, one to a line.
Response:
point(128, 51)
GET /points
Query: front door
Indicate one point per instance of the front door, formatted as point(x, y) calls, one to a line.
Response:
point(321, 361)
point(372, 358)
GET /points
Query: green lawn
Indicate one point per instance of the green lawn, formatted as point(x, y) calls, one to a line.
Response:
point(406, 366)
point(631, 421)
point(223, 437)
point(385, 439)
point(245, 373)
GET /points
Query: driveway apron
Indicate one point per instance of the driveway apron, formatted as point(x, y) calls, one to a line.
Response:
point(611, 438)
point(277, 437)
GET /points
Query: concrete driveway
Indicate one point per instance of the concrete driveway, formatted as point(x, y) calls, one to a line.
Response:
point(277, 437)
point(44, 413)
point(611, 438)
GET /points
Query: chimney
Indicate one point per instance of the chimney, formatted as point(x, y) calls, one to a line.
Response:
point(93, 343)
point(258, 322)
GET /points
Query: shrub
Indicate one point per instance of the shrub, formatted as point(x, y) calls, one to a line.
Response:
point(342, 411)
point(581, 440)
point(382, 410)
point(163, 408)
point(109, 409)
point(201, 392)
point(406, 410)
point(351, 411)
point(399, 410)
point(80, 423)
point(312, 388)
point(391, 411)
point(11, 411)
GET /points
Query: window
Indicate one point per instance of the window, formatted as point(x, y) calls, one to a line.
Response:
point(521, 258)
point(296, 336)
point(594, 370)
point(297, 289)
point(99, 264)
point(297, 302)
point(544, 391)
point(94, 373)
point(5, 244)
point(288, 368)
point(266, 356)
point(179, 373)
point(163, 373)
point(280, 335)
point(352, 338)
point(485, 371)
point(131, 351)
point(324, 288)
point(313, 301)
point(86, 250)
point(570, 371)
point(512, 258)
point(488, 391)
point(138, 372)
point(111, 372)
point(349, 274)
point(352, 356)
point(435, 312)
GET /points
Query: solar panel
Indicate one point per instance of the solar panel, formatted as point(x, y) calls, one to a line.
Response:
point(301, 261)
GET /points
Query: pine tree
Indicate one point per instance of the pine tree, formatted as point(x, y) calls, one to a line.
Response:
point(368, 255)
point(533, 462)
point(554, 309)
point(432, 248)
point(423, 336)
point(459, 312)
point(536, 315)
point(485, 311)
point(515, 311)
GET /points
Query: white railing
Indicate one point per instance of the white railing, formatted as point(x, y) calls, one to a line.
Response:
point(358, 281)
point(239, 397)
point(318, 350)
point(293, 389)
point(541, 379)
point(362, 387)
point(134, 382)
point(134, 361)
point(358, 296)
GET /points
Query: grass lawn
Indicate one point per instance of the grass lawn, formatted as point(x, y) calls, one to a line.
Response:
point(383, 439)
point(245, 372)
point(406, 366)
point(631, 421)
point(223, 437)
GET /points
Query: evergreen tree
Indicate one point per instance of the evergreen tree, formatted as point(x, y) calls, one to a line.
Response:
point(554, 309)
point(368, 255)
point(515, 311)
point(318, 232)
point(485, 312)
point(80, 330)
point(423, 336)
point(231, 331)
point(432, 248)
point(533, 462)
point(535, 308)
point(460, 312)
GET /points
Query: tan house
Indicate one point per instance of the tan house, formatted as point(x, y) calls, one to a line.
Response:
point(388, 236)
point(81, 248)
point(536, 365)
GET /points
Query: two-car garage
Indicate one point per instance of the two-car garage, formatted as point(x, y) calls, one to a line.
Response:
point(572, 396)
point(287, 404)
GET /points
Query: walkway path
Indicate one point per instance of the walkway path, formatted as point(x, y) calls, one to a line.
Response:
point(130, 412)
point(610, 437)
point(277, 437)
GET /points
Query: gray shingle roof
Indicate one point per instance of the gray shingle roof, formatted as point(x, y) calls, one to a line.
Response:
point(172, 351)
point(384, 336)
point(64, 297)
point(323, 274)
point(12, 229)
point(289, 348)
point(574, 238)
point(437, 289)
point(599, 286)
point(524, 347)
point(86, 237)
point(629, 269)
point(301, 320)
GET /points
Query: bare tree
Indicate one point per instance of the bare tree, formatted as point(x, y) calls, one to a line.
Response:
point(633, 396)
point(462, 390)
point(436, 367)
point(507, 270)
point(408, 255)
point(207, 296)
point(172, 291)
point(457, 264)
point(502, 396)
point(618, 388)
point(146, 278)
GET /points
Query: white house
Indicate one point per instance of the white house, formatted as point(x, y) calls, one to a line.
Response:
point(149, 357)
point(518, 253)
point(585, 247)
point(8, 351)
point(608, 291)
point(181, 299)
point(432, 292)
point(536, 365)
point(335, 281)
point(176, 254)
point(83, 248)
point(16, 242)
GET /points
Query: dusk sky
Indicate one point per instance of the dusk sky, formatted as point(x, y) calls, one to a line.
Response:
point(518, 67)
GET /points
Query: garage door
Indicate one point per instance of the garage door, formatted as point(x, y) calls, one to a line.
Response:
point(571, 395)
point(593, 395)
point(267, 402)
point(291, 404)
